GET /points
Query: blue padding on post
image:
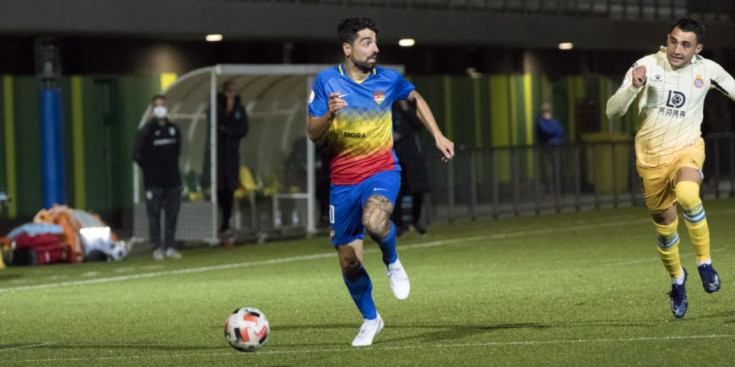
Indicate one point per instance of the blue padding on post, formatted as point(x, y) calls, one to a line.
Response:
point(52, 148)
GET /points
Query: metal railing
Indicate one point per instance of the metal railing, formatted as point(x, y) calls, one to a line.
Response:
point(533, 180)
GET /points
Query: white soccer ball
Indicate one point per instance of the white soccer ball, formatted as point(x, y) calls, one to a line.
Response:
point(247, 329)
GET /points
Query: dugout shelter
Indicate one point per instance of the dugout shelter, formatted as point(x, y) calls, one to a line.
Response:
point(276, 157)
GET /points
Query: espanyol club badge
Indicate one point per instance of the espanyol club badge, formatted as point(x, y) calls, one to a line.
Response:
point(171, 131)
point(698, 81)
point(379, 96)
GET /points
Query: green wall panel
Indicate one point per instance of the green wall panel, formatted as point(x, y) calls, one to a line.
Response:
point(28, 147)
point(101, 116)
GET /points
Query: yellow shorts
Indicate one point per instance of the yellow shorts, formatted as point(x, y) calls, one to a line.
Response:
point(658, 182)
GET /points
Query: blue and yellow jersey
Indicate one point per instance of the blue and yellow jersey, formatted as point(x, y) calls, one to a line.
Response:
point(360, 140)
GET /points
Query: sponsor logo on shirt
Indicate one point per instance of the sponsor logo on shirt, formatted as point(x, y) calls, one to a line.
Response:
point(671, 112)
point(676, 99)
point(698, 81)
point(379, 96)
point(354, 135)
point(169, 141)
point(674, 102)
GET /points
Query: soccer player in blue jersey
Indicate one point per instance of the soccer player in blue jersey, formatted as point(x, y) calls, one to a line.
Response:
point(350, 108)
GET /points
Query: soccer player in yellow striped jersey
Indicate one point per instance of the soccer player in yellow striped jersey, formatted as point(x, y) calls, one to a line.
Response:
point(670, 86)
point(350, 108)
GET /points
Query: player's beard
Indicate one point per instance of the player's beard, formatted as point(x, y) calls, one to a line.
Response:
point(367, 65)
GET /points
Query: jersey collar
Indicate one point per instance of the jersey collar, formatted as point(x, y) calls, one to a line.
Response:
point(342, 71)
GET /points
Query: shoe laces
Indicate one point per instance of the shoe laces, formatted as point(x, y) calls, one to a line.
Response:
point(363, 329)
point(366, 325)
point(677, 291)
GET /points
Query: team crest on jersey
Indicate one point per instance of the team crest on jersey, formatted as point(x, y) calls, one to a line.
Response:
point(698, 81)
point(379, 96)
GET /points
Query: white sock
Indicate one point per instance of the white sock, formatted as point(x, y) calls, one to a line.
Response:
point(708, 262)
point(679, 280)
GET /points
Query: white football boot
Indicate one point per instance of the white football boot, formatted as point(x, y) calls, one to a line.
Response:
point(398, 279)
point(368, 331)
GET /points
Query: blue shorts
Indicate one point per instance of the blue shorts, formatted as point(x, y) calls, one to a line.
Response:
point(346, 203)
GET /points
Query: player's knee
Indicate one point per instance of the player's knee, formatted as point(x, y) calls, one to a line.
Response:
point(352, 268)
point(687, 195)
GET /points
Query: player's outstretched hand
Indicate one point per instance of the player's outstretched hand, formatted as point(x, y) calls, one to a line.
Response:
point(446, 147)
point(639, 76)
point(335, 103)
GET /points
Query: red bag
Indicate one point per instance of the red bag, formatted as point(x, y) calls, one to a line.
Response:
point(40, 249)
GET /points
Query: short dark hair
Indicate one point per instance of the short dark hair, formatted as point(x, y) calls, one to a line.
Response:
point(348, 28)
point(157, 96)
point(690, 25)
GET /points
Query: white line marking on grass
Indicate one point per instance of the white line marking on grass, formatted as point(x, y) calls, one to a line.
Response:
point(169, 272)
point(26, 346)
point(381, 347)
point(222, 267)
point(321, 256)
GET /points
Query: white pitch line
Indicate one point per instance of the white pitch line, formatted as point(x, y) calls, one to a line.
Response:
point(318, 256)
point(26, 346)
point(162, 273)
point(213, 267)
point(381, 347)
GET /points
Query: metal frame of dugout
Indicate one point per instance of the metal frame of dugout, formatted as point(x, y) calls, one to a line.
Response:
point(276, 151)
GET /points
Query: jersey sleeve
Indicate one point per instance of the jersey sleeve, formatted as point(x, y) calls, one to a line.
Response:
point(721, 80)
point(619, 103)
point(318, 98)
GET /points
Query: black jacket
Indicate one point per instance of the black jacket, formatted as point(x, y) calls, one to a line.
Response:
point(157, 150)
point(414, 173)
point(231, 127)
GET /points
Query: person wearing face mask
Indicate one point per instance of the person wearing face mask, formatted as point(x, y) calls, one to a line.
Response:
point(157, 150)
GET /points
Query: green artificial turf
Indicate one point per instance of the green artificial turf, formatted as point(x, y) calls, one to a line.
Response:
point(574, 289)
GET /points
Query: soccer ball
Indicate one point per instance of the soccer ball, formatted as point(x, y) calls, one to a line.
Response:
point(247, 329)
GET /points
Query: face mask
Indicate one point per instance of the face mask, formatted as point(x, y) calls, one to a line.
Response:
point(159, 112)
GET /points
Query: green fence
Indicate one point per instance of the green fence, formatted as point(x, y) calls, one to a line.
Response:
point(101, 115)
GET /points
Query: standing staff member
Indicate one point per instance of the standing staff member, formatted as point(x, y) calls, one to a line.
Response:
point(157, 150)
